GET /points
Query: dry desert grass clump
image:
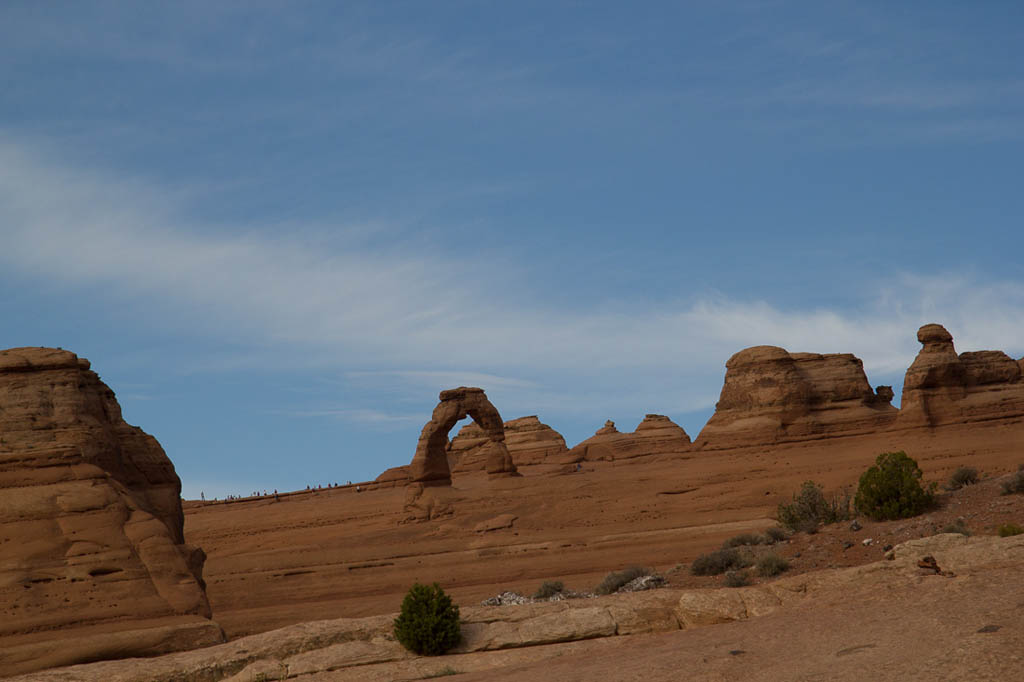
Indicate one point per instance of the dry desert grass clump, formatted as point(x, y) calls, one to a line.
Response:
point(615, 580)
point(811, 509)
point(769, 537)
point(771, 565)
point(957, 526)
point(548, 589)
point(1009, 529)
point(1015, 484)
point(718, 562)
point(736, 579)
point(961, 477)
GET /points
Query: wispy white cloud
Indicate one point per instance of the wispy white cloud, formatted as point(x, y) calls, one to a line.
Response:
point(426, 318)
point(362, 416)
point(454, 377)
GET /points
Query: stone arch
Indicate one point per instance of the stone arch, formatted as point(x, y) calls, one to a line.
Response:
point(430, 463)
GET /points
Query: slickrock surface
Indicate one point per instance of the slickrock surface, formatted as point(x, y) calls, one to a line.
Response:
point(942, 387)
point(528, 440)
point(430, 463)
point(93, 561)
point(884, 620)
point(773, 396)
point(656, 434)
point(337, 553)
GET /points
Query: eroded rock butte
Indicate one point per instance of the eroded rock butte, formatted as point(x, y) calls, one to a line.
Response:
point(91, 528)
point(656, 434)
point(942, 387)
point(771, 396)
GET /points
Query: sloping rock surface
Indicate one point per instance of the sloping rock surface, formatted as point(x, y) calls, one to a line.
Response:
point(979, 571)
point(528, 440)
point(91, 525)
point(656, 434)
point(942, 387)
point(772, 396)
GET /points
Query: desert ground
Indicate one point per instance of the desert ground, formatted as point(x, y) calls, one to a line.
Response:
point(338, 553)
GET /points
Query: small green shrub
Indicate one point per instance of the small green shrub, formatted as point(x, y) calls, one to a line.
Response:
point(810, 509)
point(548, 589)
point(1015, 484)
point(736, 579)
point(1008, 529)
point(429, 622)
point(961, 477)
point(718, 562)
point(443, 672)
point(616, 579)
point(775, 535)
point(891, 489)
point(744, 539)
point(771, 565)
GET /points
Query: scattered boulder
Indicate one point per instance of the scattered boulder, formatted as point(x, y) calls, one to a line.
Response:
point(942, 387)
point(529, 441)
point(772, 396)
point(92, 525)
point(429, 465)
point(655, 435)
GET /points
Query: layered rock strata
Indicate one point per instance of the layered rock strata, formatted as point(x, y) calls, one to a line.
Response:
point(772, 396)
point(656, 434)
point(528, 440)
point(91, 526)
point(942, 387)
point(429, 465)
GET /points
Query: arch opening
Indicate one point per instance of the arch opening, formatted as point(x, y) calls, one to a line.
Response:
point(430, 463)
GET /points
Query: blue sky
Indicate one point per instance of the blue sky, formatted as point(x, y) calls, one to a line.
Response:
point(279, 229)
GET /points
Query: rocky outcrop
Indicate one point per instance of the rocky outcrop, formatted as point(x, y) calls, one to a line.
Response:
point(772, 396)
point(942, 387)
point(528, 441)
point(656, 434)
point(91, 525)
point(394, 476)
point(429, 465)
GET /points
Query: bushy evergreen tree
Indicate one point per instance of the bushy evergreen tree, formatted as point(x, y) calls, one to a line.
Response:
point(891, 489)
point(429, 622)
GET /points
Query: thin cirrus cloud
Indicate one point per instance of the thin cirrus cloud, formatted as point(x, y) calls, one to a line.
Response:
point(371, 310)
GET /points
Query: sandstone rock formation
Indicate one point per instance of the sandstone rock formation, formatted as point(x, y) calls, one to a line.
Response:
point(429, 465)
point(773, 396)
point(528, 441)
point(394, 476)
point(656, 434)
point(942, 387)
point(91, 526)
